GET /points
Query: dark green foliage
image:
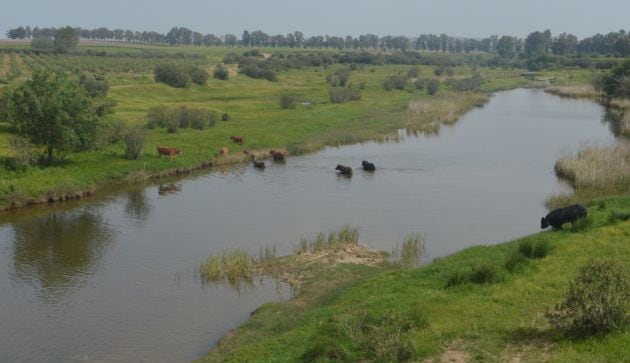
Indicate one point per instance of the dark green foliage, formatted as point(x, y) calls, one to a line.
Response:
point(226, 117)
point(582, 224)
point(617, 83)
point(598, 301)
point(172, 75)
point(420, 84)
point(23, 153)
point(180, 117)
point(134, 143)
point(43, 44)
point(95, 84)
point(341, 77)
point(255, 70)
point(198, 76)
point(288, 100)
point(480, 273)
point(466, 84)
point(484, 273)
point(344, 94)
point(221, 73)
point(413, 72)
point(618, 216)
point(515, 262)
point(53, 111)
point(396, 81)
point(113, 131)
point(65, 39)
point(534, 248)
point(433, 86)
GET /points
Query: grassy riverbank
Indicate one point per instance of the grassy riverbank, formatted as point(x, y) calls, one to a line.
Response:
point(253, 106)
point(372, 313)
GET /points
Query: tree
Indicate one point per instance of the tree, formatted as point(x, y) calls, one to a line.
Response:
point(65, 39)
point(537, 43)
point(506, 47)
point(564, 44)
point(53, 111)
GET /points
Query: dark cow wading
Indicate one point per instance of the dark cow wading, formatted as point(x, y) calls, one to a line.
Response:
point(557, 217)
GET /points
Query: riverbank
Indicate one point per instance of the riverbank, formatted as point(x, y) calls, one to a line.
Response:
point(410, 315)
point(83, 174)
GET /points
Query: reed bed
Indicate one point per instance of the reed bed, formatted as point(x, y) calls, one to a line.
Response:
point(410, 253)
point(235, 266)
point(427, 115)
point(333, 240)
point(597, 168)
point(574, 91)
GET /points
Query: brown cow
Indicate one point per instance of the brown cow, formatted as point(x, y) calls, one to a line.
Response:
point(237, 139)
point(224, 151)
point(168, 151)
point(278, 155)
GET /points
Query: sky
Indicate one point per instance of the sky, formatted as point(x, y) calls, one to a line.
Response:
point(470, 18)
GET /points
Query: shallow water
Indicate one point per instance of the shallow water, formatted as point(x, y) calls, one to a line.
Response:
point(112, 278)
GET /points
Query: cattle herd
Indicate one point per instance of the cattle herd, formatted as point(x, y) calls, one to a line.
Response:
point(556, 218)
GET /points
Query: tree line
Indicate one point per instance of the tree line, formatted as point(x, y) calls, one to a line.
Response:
point(535, 43)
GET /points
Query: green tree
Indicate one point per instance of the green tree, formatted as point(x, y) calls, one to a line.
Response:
point(53, 111)
point(65, 39)
point(506, 47)
point(538, 43)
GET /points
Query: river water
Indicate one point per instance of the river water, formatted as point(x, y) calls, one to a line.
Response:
point(113, 277)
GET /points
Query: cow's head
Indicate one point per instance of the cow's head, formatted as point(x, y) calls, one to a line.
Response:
point(544, 223)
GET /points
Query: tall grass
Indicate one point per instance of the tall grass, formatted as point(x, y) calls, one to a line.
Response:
point(235, 266)
point(426, 115)
point(597, 168)
point(333, 240)
point(411, 252)
point(574, 91)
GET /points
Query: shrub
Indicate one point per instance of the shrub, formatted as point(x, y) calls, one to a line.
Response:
point(582, 224)
point(288, 100)
point(457, 278)
point(221, 73)
point(157, 116)
point(515, 261)
point(171, 75)
point(395, 81)
point(198, 76)
point(180, 117)
point(433, 86)
point(23, 153)
point(534, 249)
point(597, 302)
point(413, 72)
point(339, 78)
point(134, 143)
point(344, 94)
point(484, 273)
point(226, 117)
point(114, 131)
point(420, 84)
point(95, 84)
point(618, 215)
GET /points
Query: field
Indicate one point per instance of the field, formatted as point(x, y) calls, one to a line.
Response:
point(253, 106)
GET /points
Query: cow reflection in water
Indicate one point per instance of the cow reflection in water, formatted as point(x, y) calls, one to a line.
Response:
point(168, 189)
point(59, 250)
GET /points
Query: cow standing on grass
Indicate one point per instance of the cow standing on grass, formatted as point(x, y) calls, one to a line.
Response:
point(557, 217)
point(168, 151)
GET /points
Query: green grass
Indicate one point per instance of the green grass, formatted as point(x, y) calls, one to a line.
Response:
point(255, 111)
point(497, 321)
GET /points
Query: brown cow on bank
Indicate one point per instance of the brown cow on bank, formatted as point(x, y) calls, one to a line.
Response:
point(237, 139)
point(168, 151)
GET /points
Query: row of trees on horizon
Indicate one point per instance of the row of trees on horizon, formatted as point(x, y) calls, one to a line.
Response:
point(538, 42)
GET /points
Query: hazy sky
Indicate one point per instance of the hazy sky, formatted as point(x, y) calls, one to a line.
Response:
point(474, 18)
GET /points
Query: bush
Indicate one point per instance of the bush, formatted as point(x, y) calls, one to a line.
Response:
point(95, 84)
point(339, 78)
point(226, 117)
point(198, 76)
point(617, 216)
point(288, 100)
point(134, 143)
point(515, 261)
point(221, 73)
point(413, 72)
point(433, 86)
point(395, 81)
point(114, 131)
point(344, 94)
point(180, 117)
point(582, 224)
point(420, 84)
point(466, 84)
point(457, 278)
point(171, 75)
point(23, 153)
point(598, 301)
point(534, 249)
point(484, 273)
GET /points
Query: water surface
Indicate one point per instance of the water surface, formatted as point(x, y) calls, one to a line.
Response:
point(112, 278)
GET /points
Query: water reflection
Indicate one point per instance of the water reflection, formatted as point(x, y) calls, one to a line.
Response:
point(168, 189)
point(616, 120)
point(137, 206)
point(59, 250)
